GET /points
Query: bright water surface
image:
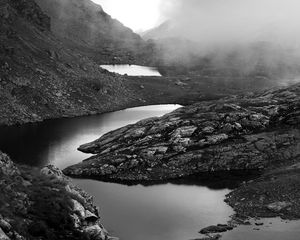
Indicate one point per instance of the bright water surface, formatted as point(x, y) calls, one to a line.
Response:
point(132, 70)
point(169, 211)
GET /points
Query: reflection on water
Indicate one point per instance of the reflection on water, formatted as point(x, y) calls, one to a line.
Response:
point(168, 211)
point(56, 141)
point(132, 70)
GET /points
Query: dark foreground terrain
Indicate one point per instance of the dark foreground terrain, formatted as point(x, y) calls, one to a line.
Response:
point(44, 204)
point(258, 132)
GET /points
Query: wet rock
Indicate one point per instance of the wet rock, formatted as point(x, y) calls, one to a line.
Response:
point(90, 217)
point(216, 229)
point(210, 237)
point(259, 224)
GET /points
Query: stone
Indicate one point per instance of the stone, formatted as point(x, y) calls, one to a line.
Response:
point(3, 236)
point(278, 206)
point(216, 229)
point(231, 134)
point(52, 171)
point(78, 208)
point(90, 217)
point(5, 225)
point(95, 232)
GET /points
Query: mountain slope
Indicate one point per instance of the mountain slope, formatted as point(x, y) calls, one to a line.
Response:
point(159, 32)
point(42, 78)
point(84, 25)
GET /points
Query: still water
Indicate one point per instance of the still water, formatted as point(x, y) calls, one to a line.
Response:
point(132, 70)
point(169, 211)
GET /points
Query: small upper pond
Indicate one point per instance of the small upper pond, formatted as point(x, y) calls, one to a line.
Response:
point(132, 70)
point(168, 211)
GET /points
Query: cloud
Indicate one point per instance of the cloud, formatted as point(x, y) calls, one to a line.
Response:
point(236, 21)
point(243, 33)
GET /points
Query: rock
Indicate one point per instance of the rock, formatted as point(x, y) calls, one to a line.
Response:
point(216, 229)
point(217, 138)
point(90, 217)
point(3, 236)
point(78, 208)
point(278, 206)
point(259, 224)
point(52, 171)
point(210, 237)
point(95, 232)
point(7, 167)
point(76, 220)
point(232, 134)
point(5, 225)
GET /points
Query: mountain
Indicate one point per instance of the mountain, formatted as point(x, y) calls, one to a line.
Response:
point(85, 26)
point(42, 77)
point(162, 31)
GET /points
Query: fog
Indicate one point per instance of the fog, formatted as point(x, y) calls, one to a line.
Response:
point(235, 21)
point(264, 29)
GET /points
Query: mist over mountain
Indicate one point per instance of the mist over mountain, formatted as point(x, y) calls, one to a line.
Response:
point(238, 34)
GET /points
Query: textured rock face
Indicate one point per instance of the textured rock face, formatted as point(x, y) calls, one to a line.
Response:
point(36, 204)
point(245, 133)
point(31, 11)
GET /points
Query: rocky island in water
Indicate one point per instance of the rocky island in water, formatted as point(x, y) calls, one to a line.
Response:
point(239, 114)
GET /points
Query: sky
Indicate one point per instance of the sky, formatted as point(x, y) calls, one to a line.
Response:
point(139, 15)
point(214, 22)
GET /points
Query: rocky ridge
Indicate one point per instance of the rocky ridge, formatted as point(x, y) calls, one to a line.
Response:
point(252, 132)
point(44, 204)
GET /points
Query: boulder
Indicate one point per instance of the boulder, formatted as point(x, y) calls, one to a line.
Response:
point(216, 229)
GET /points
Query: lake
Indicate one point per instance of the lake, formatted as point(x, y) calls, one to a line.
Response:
point(167, 211)
point(132, 70)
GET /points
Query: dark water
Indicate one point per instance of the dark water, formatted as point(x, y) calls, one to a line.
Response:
point(169, 211)
point(132, 70)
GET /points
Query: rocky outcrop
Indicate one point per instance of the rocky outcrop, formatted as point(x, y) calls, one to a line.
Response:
point(253, 132)
point(275, 193)
point(44, 204)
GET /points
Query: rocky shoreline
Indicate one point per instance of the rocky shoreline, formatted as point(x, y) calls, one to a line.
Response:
point(251, 132)
point(44, 204)
point(245, 133)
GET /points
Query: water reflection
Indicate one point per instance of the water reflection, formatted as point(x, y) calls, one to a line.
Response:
point(165, 211)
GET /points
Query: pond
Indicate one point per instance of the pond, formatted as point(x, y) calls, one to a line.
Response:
point(132, 70)
point(167, 211)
